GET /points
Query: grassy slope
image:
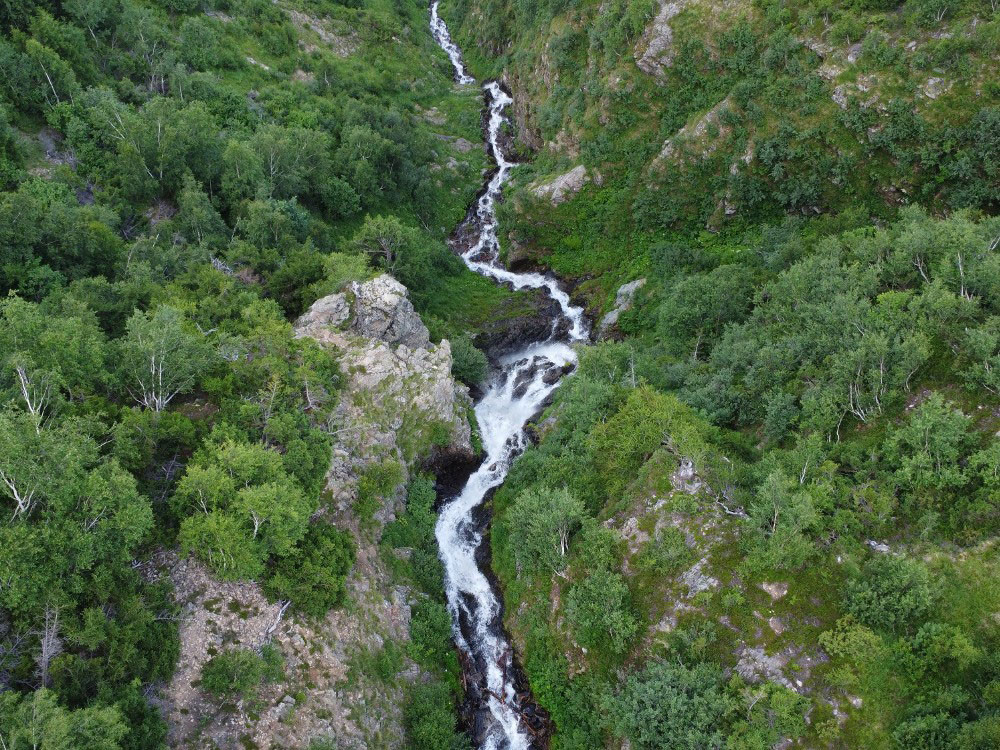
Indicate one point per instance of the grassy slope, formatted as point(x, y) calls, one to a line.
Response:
point(593, 106)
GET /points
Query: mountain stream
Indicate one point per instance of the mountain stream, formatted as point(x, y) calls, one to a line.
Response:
point(505, 718)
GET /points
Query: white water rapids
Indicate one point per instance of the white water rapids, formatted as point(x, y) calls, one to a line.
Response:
point(516, 393)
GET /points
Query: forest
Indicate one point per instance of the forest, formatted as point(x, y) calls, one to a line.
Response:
point(180, 181)
point(763, 510)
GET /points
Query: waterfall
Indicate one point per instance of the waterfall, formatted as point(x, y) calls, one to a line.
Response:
point(515, 394)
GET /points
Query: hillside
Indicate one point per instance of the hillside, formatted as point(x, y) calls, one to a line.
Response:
point(626, 376)
point(199, 486)
point(763, 512)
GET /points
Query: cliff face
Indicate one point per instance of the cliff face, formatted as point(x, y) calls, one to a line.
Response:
point(399, 408)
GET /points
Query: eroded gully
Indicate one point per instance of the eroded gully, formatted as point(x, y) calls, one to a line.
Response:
point(503, 716)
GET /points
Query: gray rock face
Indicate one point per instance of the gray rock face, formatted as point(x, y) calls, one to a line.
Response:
point(935, 87)
point(398, 384)
point(329, 312)
point(563, 187)
point(655, 50)
point(623, 301)
point(381, 311)
point(398, 402)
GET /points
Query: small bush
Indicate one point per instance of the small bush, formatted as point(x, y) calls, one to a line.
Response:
point(666, 554)
point(891, 594)
point(240, 672)
point(599, 608)
point(430, 718)
point(468, 363)
point(313, 576)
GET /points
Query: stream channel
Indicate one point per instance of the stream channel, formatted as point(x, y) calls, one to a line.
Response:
point(499, 707)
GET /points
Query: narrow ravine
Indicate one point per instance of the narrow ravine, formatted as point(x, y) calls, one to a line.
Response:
point(503, 719)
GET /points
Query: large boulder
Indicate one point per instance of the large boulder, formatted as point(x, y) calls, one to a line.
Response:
point(376, 309)
point(623, 301)
point(563, 187)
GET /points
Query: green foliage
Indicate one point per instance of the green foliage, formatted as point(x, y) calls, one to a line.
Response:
point(599, 609)
point(928, 447)
point(376, 484)
point(312, 575)
point(670, 705)
point(429, 713)
point(165, 207)
point(430, 718)
point(160, 358)
point(545, 520)
point(647, 420)
point(430, 633)
point(239, 673)
point(38, 721)
point(468, 363)
point(667, 554)
point(239, 506)
point(891, 593)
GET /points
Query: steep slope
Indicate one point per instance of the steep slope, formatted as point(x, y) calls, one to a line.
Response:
point(400, 407)
point(723, 114)
point(763, 513)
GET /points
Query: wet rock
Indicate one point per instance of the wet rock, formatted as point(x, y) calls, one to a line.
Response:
point(525, 376)
point(563, 187)
point(623, 301)
point(530, 318)
point(552, 375)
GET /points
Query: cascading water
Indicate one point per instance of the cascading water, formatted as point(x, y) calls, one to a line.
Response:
point(518, 392)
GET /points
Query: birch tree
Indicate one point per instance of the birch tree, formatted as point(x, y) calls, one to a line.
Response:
point(161, 358)
point(546, 519)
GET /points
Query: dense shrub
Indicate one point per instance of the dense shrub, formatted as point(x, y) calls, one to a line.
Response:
point(239, 673)
point(312, 577)
point(891, 593)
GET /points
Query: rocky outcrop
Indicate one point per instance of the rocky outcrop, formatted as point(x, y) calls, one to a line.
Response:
point(382, 311)
point(655, 50)
point(398, 403)
point(562, 188)
point(623, 301)
point(693, 135)
point(399, 385)
point(934, 87)
point(378, 309)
